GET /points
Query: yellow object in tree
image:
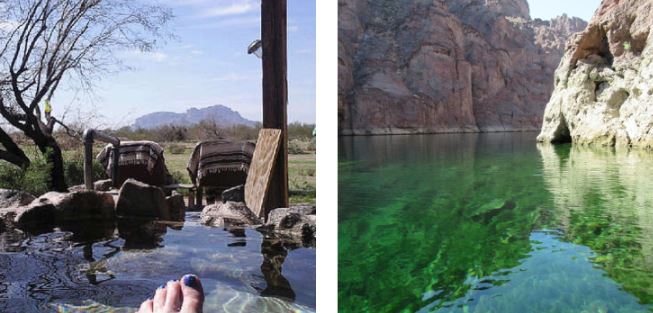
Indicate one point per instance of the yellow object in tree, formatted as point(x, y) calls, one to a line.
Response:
point(48, 107)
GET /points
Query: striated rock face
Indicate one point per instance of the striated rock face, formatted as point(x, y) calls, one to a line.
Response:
point(415, 66)
point(604, 84)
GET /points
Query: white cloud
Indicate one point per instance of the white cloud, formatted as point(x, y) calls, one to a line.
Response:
point(235, 8)
point(146, 56)
point(158, 56)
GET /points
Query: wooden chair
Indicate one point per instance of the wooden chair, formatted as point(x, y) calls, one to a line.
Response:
point(218, 165)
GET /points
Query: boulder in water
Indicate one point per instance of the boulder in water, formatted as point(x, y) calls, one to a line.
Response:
point(137, 199)
point(228, 214)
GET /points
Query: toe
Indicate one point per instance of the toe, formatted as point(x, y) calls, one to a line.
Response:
point(159, 298)
point(146, 307)
point(193, 294)
point(173, 296)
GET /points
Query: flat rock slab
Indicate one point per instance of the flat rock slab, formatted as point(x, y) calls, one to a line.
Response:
point(138, 199)
point(228, 214)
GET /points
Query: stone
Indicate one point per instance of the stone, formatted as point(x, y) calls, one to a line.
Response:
point(76, 188)
point(412, 66)
point(103, 185)
point(137, 199)
point(57, 207)
point(603, 87)
point(236, 194)
point(176, 207)
point(296, 223)
point(228, 214)
point(13, 198)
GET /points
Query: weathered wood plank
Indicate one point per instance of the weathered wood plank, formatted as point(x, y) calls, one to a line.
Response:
point(260, 170)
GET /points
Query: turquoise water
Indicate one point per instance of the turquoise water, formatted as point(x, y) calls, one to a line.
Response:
point(493, 223)
point(114, 267)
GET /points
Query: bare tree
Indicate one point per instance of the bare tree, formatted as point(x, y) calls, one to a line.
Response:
point(46, 42)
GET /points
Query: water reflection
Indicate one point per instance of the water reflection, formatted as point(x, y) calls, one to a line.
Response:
point(493, 223)
point(603, 200)
point(120, 264)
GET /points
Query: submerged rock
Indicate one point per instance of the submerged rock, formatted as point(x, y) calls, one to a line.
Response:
point(603, 87)
point(137, 199)
point(228, 214)
point(297, 223)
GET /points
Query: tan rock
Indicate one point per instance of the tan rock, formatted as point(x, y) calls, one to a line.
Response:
point(603, 87)
point(228, 214)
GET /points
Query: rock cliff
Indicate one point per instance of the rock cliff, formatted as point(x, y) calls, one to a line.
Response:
point(422, 66)
point(604, 85)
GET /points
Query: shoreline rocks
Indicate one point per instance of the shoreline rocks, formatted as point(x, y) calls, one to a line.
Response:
point(227, 214)
point(603, 87)
point(56, 207)
point(296, 223)
point(138, 199)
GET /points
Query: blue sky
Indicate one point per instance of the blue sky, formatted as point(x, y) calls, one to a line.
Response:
point(547, 9)
point(206, 64)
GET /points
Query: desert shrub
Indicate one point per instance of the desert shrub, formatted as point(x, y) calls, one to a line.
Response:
point(174, 148)
point(296, 146)
point(33, 179)
point(74, 171)
point(180, 177)
point(297, 130)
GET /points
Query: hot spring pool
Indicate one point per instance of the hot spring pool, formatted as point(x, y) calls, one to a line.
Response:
point(114, 267)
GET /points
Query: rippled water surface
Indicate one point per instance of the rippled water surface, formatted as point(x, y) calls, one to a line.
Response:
point(493, 223)
point(114, 267)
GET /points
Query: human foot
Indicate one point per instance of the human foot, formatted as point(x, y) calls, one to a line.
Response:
point(185, 296)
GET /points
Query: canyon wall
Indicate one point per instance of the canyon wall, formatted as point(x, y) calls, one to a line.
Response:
point(604, 85)
point(432, 66)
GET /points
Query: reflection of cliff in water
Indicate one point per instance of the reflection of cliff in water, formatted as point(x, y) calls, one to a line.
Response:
point(604, 200)
point(429, 215)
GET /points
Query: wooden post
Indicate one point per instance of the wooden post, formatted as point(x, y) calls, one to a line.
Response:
point(275, 94)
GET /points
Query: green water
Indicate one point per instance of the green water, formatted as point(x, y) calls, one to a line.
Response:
point(493, 223)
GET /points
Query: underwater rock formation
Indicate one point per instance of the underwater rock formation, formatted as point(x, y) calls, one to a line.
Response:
point(412, 66)
point(603, 86)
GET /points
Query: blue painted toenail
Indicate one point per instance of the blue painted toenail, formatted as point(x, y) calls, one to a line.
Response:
point(162, 286)
point(190, 280)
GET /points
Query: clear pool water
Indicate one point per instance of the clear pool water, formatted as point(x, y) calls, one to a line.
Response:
point(114, 267)
point(493, 223)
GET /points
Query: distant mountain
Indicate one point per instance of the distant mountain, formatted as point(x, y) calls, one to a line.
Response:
point(221, 114)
